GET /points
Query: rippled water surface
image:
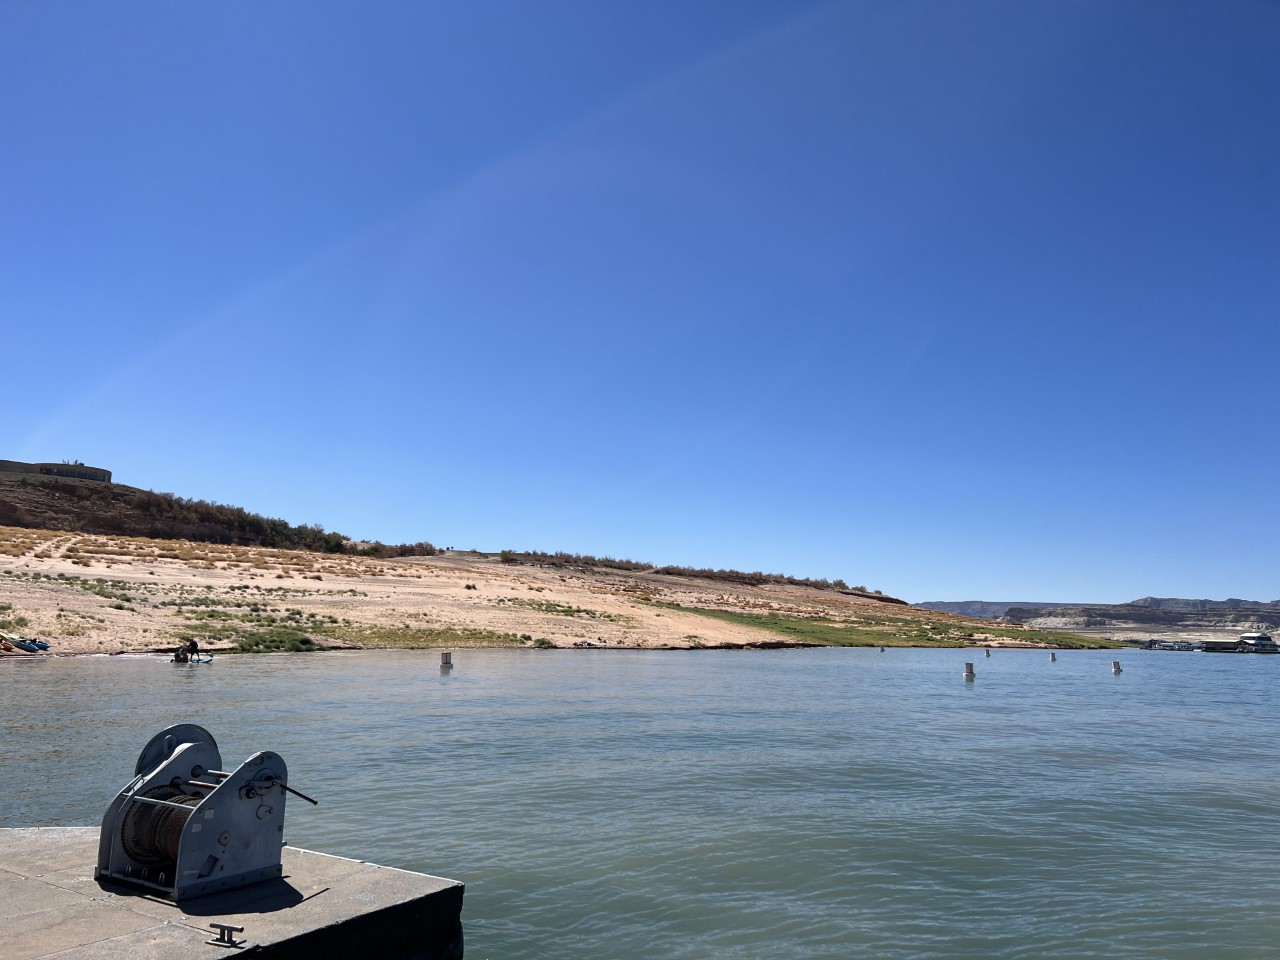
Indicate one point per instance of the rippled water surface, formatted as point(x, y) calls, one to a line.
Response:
point(783, 804)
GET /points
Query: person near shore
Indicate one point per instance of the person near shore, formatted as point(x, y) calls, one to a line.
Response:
point(181, 656)
point(193, 648)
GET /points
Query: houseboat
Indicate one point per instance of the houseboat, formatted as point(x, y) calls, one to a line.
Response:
point(1181, 645)
point(1258, 643)
point(1245, 643)
point(1220, 645)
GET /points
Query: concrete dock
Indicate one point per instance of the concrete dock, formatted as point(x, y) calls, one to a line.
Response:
point(323, 907)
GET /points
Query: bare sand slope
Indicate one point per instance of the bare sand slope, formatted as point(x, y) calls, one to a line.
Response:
point(100, 594)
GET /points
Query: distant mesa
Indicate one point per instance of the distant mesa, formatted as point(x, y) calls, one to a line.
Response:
point(1163, 613)
point(72, 470)
point(987, 609)
point(1203, 606)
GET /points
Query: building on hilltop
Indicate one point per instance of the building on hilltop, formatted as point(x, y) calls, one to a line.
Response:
point(73, 471)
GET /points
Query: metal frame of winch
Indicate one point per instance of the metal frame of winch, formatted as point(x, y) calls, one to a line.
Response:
point(184, 827)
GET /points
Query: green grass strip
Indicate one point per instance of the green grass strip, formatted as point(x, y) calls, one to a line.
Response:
point(893, 631)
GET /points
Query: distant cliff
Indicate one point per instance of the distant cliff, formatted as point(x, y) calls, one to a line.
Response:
point(1207, 606)
point(1161, 613)
point(985, 609)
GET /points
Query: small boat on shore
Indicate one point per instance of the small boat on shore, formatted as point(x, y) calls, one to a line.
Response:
point(29, 644)
point(24, 643)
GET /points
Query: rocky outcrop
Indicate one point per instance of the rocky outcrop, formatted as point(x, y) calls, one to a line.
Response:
point(1215, 616)
point(1206, 606)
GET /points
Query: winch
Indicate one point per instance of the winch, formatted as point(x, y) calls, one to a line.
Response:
point(184, 827)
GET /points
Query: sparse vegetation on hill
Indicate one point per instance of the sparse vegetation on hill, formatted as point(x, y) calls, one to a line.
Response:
point(753, 579)
point(51, 503)
point(33, 501)
point(115, 510)
point(10, 620)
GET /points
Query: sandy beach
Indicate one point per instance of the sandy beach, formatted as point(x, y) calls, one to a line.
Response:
point(89, 594)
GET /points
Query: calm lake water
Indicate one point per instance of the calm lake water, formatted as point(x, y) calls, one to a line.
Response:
point(782, 804)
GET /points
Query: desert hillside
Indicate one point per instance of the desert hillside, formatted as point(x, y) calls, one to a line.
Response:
point(40, 502)
point(93, 593)
point(96, 567)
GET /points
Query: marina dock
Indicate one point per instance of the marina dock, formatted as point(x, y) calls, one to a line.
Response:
point(323, 907)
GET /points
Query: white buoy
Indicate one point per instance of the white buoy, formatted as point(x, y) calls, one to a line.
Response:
point(446, 658)
point(1053, 657)
point(882, 649)
point(968, 671)
point(1115, 666)
point(987, 651)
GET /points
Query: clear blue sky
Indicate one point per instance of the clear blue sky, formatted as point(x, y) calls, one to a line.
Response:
point(954, 300)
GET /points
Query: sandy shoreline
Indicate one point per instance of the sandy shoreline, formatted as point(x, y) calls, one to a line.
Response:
point(90, 594)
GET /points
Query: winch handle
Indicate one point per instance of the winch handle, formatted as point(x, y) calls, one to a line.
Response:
point(298, 793)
